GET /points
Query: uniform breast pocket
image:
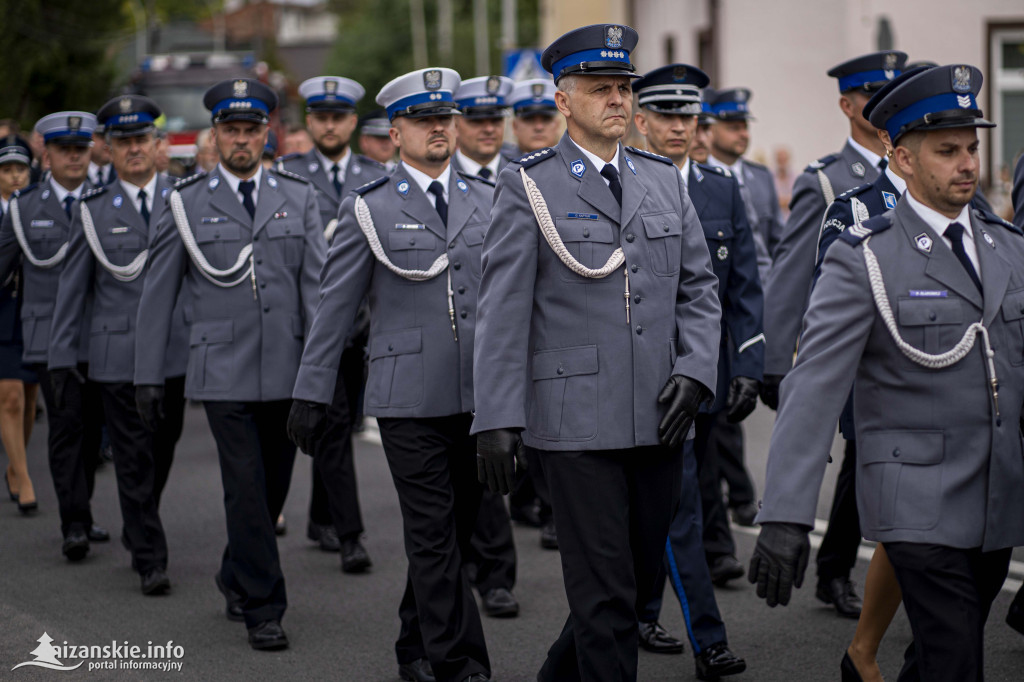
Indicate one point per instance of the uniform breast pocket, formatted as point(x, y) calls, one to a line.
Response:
point(564, 394)
point(933, 325)
point(45, 240)
point(591, 242)
point(412, 249)
point(396, 369)
point(1013, 318)
point(220, 243)
point(110, 345)
point(900, 478)
point(122, 244)
point(211, 364)
point(664, 240)
point(719, 236)
point(286, 239)
point(473, 235)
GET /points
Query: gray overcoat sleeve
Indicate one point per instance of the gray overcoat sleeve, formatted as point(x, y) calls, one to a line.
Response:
point(313, 257)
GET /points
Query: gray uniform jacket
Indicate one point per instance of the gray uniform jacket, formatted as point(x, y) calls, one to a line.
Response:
point(361, 170)
point(934, 463)
point(46, 227)
point(554, 352)
point(763, 212)
point(245, 341)
point(789, 282)
point(417, 368)
point(123, 234)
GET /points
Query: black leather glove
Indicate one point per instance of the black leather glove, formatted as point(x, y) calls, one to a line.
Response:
point(59, 379)
point(770, 390)
point(683, 396)
point(497, 452)
point(779, 561)
point(149, 401)
point(742, 398)
point(306, 422)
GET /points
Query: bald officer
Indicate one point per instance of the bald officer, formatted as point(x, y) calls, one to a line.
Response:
point(597, 344)
point(922, 306)
point(248, 244)
point(335, 519)
point(411, 243)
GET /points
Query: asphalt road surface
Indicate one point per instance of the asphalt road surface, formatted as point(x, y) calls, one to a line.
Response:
point(342, 627)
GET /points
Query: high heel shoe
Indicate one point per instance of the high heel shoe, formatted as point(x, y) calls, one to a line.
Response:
point(28, 507)
point(7, 480)
point(849, 670)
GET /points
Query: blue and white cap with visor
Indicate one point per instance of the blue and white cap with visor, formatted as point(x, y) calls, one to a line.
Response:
point(240, 99)
point(331, 93)
point(730, 104)
point(869, 72)
point(596, 50)
point(69, 128)
point(484, 97)
point(422, 93)
point(534, 96)
point(128, 116)
point(672, 89)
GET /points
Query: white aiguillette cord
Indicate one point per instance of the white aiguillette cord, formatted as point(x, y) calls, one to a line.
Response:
point(19, 233)
point(123, 273)
point(195, 253)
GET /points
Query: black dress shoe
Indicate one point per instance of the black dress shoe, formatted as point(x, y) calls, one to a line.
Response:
point(477, 677)
point(717, 661)
point(549, 536)
point(233, 610)
point(500, 603)
point(76, 544)
point(656, 639)
point(725, 568)
point(744, 514)
point(155, 581)
point(268, 636)
point(1015, 616)
point(98, 534)
point(354, 558)
point(839, 593)
point(325, 535)
point(848, 670)
point(417, 671)
point(526, 515)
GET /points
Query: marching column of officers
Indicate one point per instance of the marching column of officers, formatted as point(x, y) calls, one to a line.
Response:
point(574, 322)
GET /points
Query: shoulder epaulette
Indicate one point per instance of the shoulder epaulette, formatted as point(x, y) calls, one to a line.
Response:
point(856, 234)
point(287, 157)
point(718, 170)
point(363, 189)
point(25, 190)
point(185, 182)
point(369, 162)
point(650, 155)
point(755, 165)
point(94, 192)
point(814, 166)
point(533, 158)
point(477, 178)
point(852, 192)
point(291, 176)
point(993, 218)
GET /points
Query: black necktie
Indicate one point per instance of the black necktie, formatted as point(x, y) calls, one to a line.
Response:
point(334, 179)
point(143, 209)
point(246, 187)
point(612, 175)
point(442, 208)
point(485, 173)
point(883, 164)
point(955, 233)
point(68, 200)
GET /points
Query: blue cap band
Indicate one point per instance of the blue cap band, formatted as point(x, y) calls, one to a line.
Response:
point(602, 55)
point(64, 132)
point(482, 101)
point(518, 106)
point(441, 97)
point(947, 101)
point(726, 107)
point(128, 119)
point(240, 104)
point(856, 80)
point(330, 98)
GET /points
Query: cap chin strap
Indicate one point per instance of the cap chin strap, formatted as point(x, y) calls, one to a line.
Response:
point(19, 232)
point(195, 253)
point(122, 273)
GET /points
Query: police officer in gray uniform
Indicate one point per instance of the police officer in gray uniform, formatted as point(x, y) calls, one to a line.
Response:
point(106, 263)
point(922, 307)
point(36, 227)
point(789, 285)
point(597, 344)
point(411, 242)
point(248, 244)
point(335, 520)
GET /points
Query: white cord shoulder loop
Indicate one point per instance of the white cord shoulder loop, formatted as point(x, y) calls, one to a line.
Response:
point(195, 253)
point(122, 273)
point(365, 221)
point(19, 232)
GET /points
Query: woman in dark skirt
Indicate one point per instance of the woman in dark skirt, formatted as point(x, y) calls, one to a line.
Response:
point(18, 385)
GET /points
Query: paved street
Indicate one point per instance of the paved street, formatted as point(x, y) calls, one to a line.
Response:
point(343, 627)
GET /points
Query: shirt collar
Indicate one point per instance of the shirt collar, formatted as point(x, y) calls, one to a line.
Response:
point(342, 162)
point(899, 183)
point(473, 168)
point(868, 155)
point(595, 160)
point(133, 190)
point(423, 180)
point(685, 172)
point(59, 190)
point(233, 180)
point(736, 169)
point(936, 220)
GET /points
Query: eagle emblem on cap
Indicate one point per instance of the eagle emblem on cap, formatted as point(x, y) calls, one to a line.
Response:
point(890, 62)
point(240, 88)
point(330, 87)
point(741, 95)
point(493, 84)
point(74, 122)
point(125, 104)
point(962, 79)
point(537, 89)
point(432, 79)
point(679, 74)
point(613, 37)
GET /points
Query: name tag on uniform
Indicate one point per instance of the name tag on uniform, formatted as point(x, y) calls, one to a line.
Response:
point(42, 223)
point(118, 230)
point(410, 226)
point(583, 216)
point(214, 220)
point(928, 293)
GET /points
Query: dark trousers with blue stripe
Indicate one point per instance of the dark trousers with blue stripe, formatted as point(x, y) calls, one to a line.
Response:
point(686, 568)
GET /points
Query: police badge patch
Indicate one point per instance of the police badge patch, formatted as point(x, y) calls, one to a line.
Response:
point(403, 187)
point(537, 90)
point(313, 167)
point(125, 104)
point(890, 61)
point(331, 88)
point(240, 89)
point(988, 239)
point(962, 79)
point(629, 162)
point(890, 199)
point(613, 37)
point(578, 168)
point(493, 85)
point(924, 242)
point(858, 169)
point(432, 79)
point(679, 74)
point(461, 184)
point(835, 223)
point(118, 200)
point(74, 123)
